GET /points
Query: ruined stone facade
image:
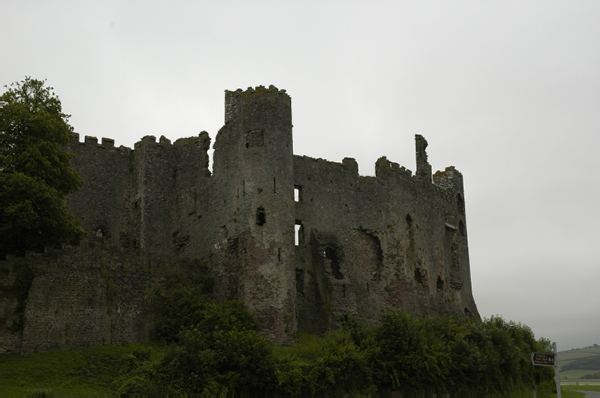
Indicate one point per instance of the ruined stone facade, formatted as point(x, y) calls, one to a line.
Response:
point(304, 242)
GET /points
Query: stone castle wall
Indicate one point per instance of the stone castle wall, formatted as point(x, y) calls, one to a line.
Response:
point(367, 243)
point(79, 297)
point(304, 242)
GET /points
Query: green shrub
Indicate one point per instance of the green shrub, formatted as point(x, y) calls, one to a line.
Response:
point(218, 351)
point(179, 308)
point(412, 353)
point(332, 364)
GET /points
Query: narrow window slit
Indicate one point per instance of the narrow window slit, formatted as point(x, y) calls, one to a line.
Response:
point(261, 216)
point(299, 236)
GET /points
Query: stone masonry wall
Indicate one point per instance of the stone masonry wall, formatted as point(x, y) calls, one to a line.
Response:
point(81, 297)
point(366, 243)
point(10, 341)
point(101, 204)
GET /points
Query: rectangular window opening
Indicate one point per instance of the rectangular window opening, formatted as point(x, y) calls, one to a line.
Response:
point(297, 193)
point(299, 236)
point(255, 139)
point(261, 216)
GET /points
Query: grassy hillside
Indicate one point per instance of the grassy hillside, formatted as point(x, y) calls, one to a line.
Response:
point(85, 372)
point(575, 364)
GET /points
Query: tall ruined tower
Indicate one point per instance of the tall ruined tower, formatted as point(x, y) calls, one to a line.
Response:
point(253, 166)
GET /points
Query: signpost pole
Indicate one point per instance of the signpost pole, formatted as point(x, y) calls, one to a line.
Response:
point(556, 374)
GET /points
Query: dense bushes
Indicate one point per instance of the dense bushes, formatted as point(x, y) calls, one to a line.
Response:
point(592, 363)
point(333, 363)
point(215, 348)
point(591, 376)
point(452, 355)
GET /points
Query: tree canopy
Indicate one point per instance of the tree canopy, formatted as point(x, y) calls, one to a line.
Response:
point(35, 171)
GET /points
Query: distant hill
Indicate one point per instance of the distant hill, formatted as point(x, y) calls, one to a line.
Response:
point(582, 363)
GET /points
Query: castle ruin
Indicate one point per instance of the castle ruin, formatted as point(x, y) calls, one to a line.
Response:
point(303, 242)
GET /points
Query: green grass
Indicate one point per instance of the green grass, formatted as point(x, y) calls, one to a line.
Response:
point(577, 374)
point(81, 373)
point(570, 394)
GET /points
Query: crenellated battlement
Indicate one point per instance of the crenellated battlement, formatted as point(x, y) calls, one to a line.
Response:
point(202, 140)
point(348, 166)
point(150, 140)
point(236, 101)
point(258, 91)
point(92, 142)
point(386, 169)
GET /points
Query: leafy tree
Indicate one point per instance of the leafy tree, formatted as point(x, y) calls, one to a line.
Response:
point(35, 172)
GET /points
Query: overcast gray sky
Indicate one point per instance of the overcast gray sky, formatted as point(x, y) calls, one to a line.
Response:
point(508, 92)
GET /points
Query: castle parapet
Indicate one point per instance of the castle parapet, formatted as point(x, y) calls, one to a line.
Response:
point(108, 143)
point(351, 165)
point(203, 140)
point(236, 101)
point(91, 143)
point(385, 169)
point(449, 179)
